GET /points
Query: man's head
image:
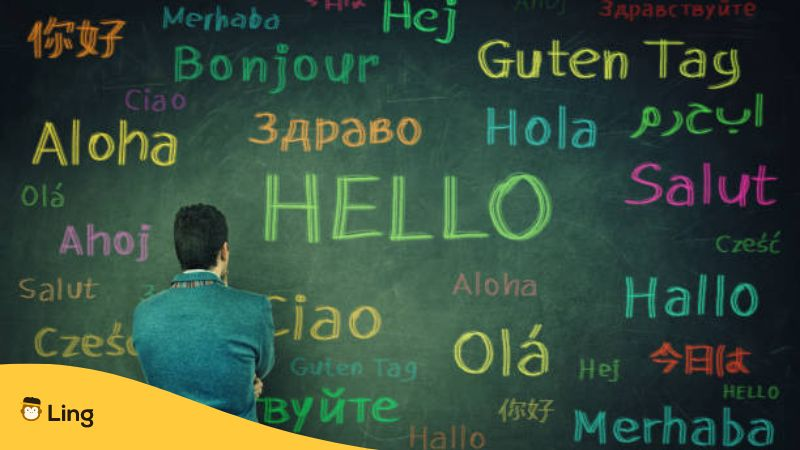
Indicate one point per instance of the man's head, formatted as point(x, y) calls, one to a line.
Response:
point(201, 238)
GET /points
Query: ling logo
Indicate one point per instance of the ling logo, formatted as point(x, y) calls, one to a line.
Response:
point(32, 410)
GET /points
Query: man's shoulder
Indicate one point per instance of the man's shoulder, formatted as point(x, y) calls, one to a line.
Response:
point(245, 296)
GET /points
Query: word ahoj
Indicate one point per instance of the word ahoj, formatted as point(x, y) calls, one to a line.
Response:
point(679, 305)
point(491, 287)
point(560, 6)
point(141, 100)
point(609, 371)
point(513, 410)
point(422, 19)
point(219, 20)
point(702, 431)
point(55, 36)
point(55, 292)
point(328, 326)
point(682, 191)
point(725, 243)
point(124, 243)
point(539, 353)
point(459, 437)
point(338, 5)
point(651, 118)
point(398, 233)
point(90, 345)
point(305, 68)
point(538, 131)
point(104, 152)
point(33, 196)
point(702, 359)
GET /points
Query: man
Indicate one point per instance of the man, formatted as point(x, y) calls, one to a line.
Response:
point(200, 338)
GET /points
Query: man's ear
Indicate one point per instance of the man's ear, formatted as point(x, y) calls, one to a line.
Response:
point(223, 253)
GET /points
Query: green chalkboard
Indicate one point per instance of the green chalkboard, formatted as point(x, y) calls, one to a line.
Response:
point(498, 225)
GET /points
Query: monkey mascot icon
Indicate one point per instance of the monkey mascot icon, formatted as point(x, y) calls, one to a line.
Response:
point(31, 408)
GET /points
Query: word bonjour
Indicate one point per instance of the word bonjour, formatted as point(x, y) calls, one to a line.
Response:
point(124, 243)
point(626, 430)
point(88, 344)
point(491, 287)
point(398, 233)
point(326, 132)
point(693, 66)
point(680, 305)
point(155, 153)
point(55, 292)
point(305, 68)
point(383, 368)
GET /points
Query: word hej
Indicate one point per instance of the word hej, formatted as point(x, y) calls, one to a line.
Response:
point(398, 233)
point(332, 406)
point(408, 132)
point(539, 355)
point(704, 430)
point(538, 131)
point(651, 118)
point(588, 369)
point(513, 410)
point(220, 20)
point(682, 190)
point(124, 242)
point(305, 68)
point(403, 372)
point(693, 66)
point(677, 10)
point(47, 292)
point(680, 305)
point(49, 142)
point(491, 287)
point(89, 345)
point(702, 359)
point(457, 437)
point(338, 5)
point(422, 18)
point(56, 37)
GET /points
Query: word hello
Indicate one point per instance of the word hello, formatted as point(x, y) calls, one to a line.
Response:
point(538, 131)
point(427, 15)
point(141, 100)
point(220, 20)
point(104, 152)
point(55, 292)
point(680, 305)
point(345, 207)
point(124, 243)
point(750, 392)
point(704, 431)
point(460, 438)
point(492, 287)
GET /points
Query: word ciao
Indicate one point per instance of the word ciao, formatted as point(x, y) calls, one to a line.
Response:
point(726, 243)
point(142, 100)
point(104, 152)
point(694, 9)
point(495, 62)
point(651, 118)
point(218, 20)
point(680, 305)
point(305, 68)
point(682, 191)
point(327, 326)
point(124, 243)
point(398, 233)
point(34, 196)
point(491, 287)
point(539, 353)
point(332, 407)
point(538, 131)
point(459, 437)
point(422, 19)
point(704, 430)
point(381, 131)
point(382, 367)
point(55, 292)
point(89, 345)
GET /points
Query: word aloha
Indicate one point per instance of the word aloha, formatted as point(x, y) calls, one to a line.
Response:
point(54, 36)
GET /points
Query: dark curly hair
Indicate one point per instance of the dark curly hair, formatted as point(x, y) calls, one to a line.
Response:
point(200, 231)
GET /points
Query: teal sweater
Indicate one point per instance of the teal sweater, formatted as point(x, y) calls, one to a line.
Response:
point(206, 342)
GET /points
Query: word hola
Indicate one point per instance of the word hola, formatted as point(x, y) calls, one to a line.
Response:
point(124, 243)
point(106, 151)
point(538, 131)
point(427, 15)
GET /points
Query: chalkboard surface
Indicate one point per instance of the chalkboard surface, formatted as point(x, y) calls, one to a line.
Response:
point(497, 225)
